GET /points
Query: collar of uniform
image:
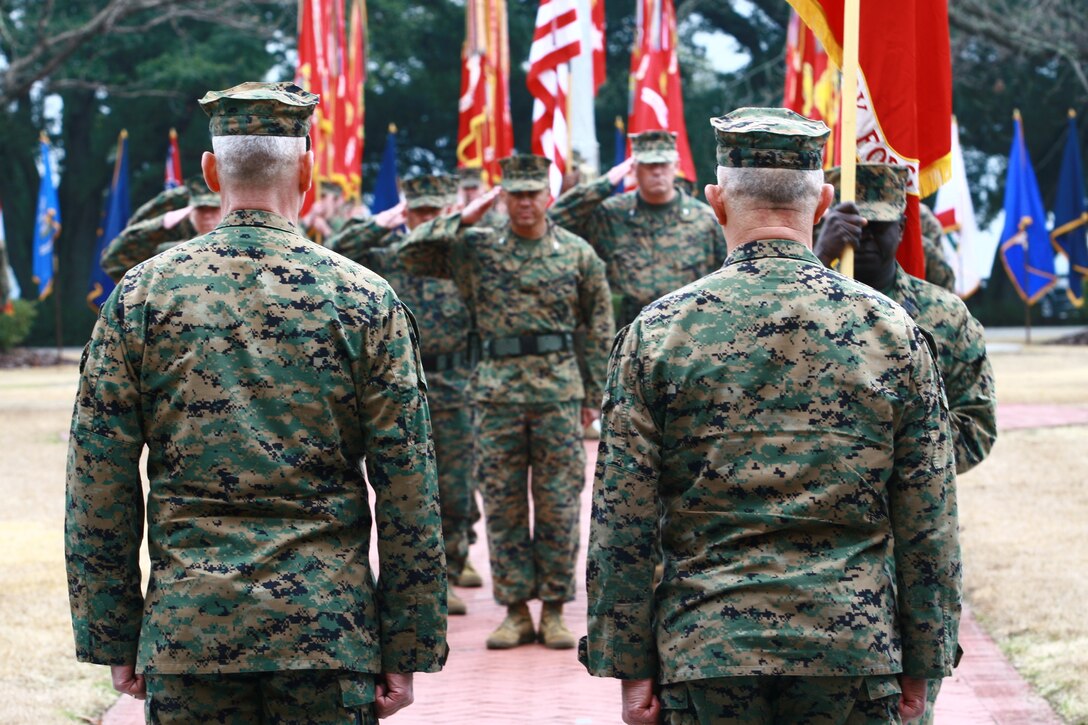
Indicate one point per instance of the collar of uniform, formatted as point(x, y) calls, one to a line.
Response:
point(258, 218)
point(522, 247)
point(674, 202)
point(901, 291)
point(768, 248)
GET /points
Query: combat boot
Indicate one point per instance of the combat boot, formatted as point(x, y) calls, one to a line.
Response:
point(515, 630)
point(469, 577)
point(553, 632)
point(455, 604)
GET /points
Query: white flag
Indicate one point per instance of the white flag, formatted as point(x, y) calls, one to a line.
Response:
point(957, 216)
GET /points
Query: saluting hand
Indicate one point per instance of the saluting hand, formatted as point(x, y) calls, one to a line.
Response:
point(640, 704)
point(393, 217)
point(127, 682)
point(842, 226)
point(617, 173)
point(474, 211)
point(393, 692)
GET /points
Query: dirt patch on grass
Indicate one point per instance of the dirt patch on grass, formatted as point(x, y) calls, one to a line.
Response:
point(40, 680)
point(1023, 514)
point(1042, 374)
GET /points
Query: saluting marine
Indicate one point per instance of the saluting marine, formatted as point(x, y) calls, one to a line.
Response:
point(875, 224)
point(444, 329)
point(653, 240)
point(529, 285)
point(149, 233)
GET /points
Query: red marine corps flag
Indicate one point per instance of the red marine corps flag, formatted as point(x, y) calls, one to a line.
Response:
point(556, 41)
point(812, 83)
point(904, 93)
point(332, 63)
point(485, 130)
point(597, 33)
point(347, 143)
point(657, 102)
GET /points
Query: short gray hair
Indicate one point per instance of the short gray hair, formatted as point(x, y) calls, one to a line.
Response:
point(261, 161)
point(778, 187)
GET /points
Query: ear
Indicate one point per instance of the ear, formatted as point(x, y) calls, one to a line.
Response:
point(716, 199)
point(827, 197)
point(211, 171)
point(306, 172)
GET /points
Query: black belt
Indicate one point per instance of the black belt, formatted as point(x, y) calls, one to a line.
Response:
point(444, 361)
point(520, 345)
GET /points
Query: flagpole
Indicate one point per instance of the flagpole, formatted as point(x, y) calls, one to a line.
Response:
point(849, 96)
point(1023, 227)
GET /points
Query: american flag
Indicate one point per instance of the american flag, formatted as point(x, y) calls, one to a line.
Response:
point(556, 41)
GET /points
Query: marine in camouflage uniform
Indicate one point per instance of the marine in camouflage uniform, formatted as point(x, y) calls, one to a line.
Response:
point(444, 328)
point(938, 270)
point(168, 200)
point(810, 539)
point(259, 369)
point(961, 344)
point(652, 241)
point(144, 239)
point(529, 285)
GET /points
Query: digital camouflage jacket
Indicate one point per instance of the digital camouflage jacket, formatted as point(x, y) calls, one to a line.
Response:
point(791, 426)
point(259, 369)
point(517, 287)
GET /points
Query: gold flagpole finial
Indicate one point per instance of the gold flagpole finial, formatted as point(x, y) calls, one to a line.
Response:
point(392, 128)
point(1016, 114)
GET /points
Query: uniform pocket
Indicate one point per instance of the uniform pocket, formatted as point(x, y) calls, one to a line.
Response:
point(357, 695)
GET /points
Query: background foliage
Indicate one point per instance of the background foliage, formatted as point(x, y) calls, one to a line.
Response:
point(141, 64)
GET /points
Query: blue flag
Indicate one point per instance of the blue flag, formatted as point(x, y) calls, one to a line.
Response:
point(46, 225)
point(113, 222)
point(386, 195)
point(1025, 245)
point(621, 151)
point(1070, 235)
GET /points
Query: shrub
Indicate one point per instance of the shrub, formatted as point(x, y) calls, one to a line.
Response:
point(15, 327)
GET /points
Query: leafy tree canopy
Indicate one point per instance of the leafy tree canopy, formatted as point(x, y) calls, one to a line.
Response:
point(140, 65)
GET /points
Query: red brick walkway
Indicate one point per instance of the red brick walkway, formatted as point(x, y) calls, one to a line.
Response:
point(535, 685)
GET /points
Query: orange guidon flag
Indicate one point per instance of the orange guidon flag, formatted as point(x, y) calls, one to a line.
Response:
point(485, 128)
point(904, 101)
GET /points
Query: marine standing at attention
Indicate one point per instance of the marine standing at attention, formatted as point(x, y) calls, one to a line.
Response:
point(790, 423)
point(259, 369)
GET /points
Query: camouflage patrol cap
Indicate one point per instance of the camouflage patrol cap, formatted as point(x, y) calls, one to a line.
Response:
point(470, 177)
point(654, 147)
point(260, 109)
point(524, 172)
point(769, 138)
point(200, 194)
point(881, 193)
point(433, 190)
